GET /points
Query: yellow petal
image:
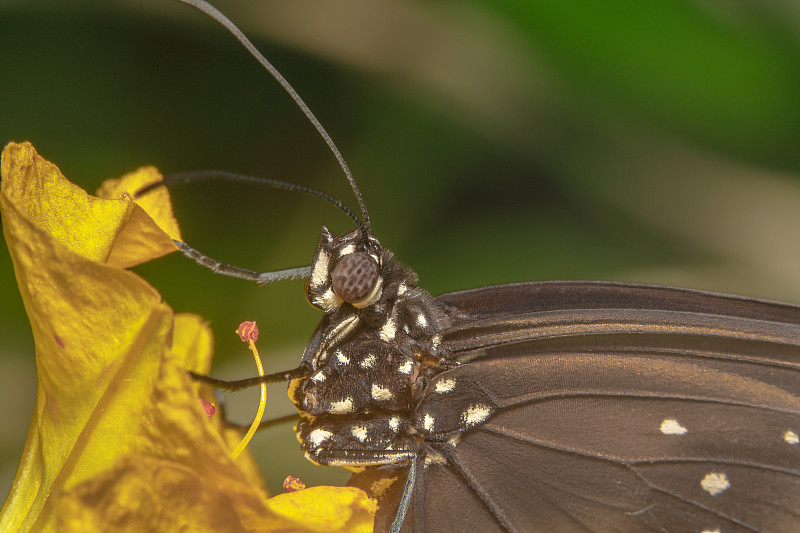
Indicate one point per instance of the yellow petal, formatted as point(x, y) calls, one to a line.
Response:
point(118, 438)
point(193, 343)
point(100, 332)
point(131, 498)
point(323, 509)
point(149, 231)
point(95, 228)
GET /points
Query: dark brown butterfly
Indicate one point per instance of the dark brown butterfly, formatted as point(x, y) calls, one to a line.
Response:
point(554, 406)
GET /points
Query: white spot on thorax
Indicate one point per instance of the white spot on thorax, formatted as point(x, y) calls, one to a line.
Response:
point(368, 362)
point(328, 301)
point(339, 331)
point(320, 273)
point(319, 377)
point(406, 368)
point(422, 321)
point(339, 462)
point(671, 426)
point(445, 385)
point(791, 437)
point(427, 422)
point(342, 407)
point(475, 414)
point(343, 328)
point(318, 436)
point(455, 439)
point(359, 432)
point(347, 250)
point(342, 358)
point(715, 483)
point(381, 394)
point(436, 340)
point(394, 423)
point(388, 330)
point(401, 289)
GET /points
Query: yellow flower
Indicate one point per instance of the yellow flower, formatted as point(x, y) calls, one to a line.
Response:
point(119, 440)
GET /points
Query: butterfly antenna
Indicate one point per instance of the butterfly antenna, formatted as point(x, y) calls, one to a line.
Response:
point(212, 12)
point(238, 272)
point(197, 175)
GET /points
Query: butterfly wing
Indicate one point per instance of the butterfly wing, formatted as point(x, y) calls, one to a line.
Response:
point(613, 407)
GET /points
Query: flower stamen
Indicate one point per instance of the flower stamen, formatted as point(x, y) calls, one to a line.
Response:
point(293, 484)
point(248, 332)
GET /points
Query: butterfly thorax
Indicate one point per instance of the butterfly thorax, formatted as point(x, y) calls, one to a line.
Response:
point(370, 357)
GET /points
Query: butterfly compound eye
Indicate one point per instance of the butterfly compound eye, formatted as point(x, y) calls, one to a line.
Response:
point(355, 278)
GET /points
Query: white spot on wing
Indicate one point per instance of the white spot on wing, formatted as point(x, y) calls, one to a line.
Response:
point(318, 436)
point(368, 361)
point(381, 394)
point(434, 458)
point(670, 426)
point(445, 385)
point(475, 414)
point(422, 321)
point(455, 439)
point(715, 483)
point(427, 422)
point(388, 330)
point(320, 273)
point(791, 437)
point(715, 530)
point(343, 407)
point(342, 358)
point(359, 432)
point(394, 423)
point(406, 368)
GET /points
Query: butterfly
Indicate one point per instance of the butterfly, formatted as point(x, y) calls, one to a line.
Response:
point(545, 406)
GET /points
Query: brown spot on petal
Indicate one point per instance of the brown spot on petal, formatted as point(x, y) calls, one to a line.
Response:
point(208, 407)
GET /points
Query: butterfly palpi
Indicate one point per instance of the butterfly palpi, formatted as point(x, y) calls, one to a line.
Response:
point(549, 406)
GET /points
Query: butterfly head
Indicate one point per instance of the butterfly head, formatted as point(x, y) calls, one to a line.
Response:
point(345, 270)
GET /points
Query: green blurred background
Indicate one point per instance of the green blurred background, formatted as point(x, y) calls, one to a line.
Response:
point(494, 141)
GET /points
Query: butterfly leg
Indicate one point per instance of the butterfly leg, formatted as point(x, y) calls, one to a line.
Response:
point(239, 384)
point(230, 386)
